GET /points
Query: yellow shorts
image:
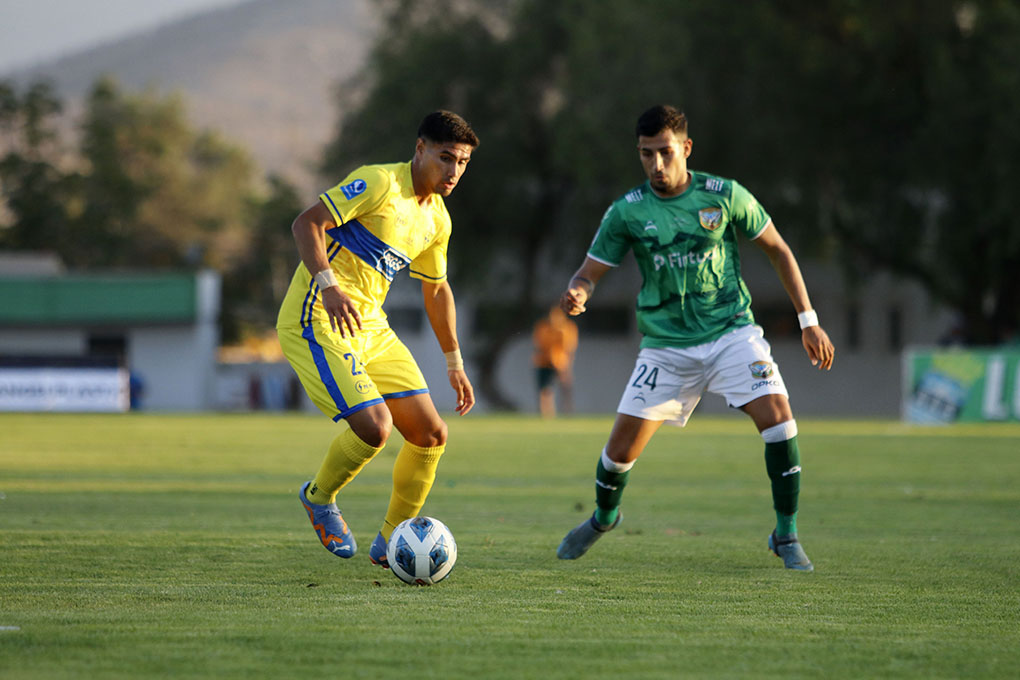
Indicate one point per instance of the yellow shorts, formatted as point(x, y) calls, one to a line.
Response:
point(344, 375)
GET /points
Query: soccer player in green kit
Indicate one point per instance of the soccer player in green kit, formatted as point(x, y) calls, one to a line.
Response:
point(694, 313)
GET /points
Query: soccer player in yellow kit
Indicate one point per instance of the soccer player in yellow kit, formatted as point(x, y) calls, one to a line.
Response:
point(362, 232)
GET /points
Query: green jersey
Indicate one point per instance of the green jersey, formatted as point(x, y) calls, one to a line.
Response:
point(686, 249)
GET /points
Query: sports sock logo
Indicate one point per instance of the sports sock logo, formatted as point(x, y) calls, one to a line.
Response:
point(606, 486)
point(792, 471)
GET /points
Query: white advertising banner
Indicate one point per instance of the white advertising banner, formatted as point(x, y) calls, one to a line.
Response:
point(63, 389)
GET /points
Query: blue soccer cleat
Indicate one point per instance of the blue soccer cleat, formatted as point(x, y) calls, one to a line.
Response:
point(583, 536)
point(377, 553)
point(329, 524)
point(788, 547)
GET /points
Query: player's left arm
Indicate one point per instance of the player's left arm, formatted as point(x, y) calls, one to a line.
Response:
point(816, 341)
point(442, 313)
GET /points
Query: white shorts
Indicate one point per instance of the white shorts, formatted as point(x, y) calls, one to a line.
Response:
point(667, 383)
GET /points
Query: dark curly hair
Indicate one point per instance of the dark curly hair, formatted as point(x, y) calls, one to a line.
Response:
point(659, 118)
point(444, 127)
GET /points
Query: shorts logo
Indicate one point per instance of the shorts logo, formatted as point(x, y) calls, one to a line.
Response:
point(711, 218)
point(760, 369)
point(363, 386)
point(356, 187)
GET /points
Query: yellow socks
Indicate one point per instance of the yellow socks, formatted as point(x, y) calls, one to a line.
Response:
point(413, 474)
point(347, 455)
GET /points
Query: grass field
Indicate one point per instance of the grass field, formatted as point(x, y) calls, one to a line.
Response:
point(147, 546)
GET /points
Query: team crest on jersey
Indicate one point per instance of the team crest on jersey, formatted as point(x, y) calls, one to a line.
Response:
point(356, 187)
point(711, 218)
point(760, 369)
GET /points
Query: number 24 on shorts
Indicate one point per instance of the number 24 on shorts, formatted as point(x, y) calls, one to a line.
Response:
point(648, 377)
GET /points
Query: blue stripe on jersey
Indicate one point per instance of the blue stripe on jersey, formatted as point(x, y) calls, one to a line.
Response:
point(336, 210)
point(369, 248)
point(406, 393)
point(323, 367)
point(426, 276)
point(310, 295)
point(313, 290)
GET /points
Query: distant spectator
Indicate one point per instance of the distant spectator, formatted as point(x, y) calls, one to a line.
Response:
point(136, 390)
point(555, 338)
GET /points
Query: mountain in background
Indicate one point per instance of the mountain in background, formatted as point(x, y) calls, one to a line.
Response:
point(263, 73)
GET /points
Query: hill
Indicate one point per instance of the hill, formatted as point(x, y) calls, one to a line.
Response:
point(263, 73)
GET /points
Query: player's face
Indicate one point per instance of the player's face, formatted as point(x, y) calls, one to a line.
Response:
point(438, 167)
point(664, 158)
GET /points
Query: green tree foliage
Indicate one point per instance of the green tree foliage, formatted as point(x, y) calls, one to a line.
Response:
point(35, 193)
point(881, 134)
point(906, 144)
point(258, 282)
point(157, 192)
point(143, 189)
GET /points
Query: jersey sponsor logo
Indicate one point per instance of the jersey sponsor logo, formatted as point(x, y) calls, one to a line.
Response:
point(356, 187)
point(391, 262)
point(649, 226)
point(677, 260)
point(764, 383)
point(715, 185)
point(634, 196)
point(363, 386)
point(761, 369)
point(711, 218)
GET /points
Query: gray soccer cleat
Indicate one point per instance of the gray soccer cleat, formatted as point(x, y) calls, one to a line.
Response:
point(788, 547)
point(583, 536)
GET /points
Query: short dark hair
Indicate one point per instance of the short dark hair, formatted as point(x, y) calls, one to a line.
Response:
point(443, 127)
point(659, 118)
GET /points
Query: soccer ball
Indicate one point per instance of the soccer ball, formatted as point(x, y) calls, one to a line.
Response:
point(421, 551)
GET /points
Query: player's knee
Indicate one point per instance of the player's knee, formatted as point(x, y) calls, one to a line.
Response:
point(436, 435)
point(373, 429)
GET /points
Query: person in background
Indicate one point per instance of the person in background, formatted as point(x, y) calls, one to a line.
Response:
point(555, 340)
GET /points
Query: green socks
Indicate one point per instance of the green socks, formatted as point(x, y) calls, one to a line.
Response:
point(609, 484)
point(782, 461)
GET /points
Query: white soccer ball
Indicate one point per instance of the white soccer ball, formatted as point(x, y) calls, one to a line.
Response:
point(421, 551)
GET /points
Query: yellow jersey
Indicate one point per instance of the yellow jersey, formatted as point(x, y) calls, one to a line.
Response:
point(381, 229)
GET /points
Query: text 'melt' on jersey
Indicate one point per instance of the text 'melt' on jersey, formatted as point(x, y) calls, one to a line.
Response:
point(686, 249)
point(381, 229)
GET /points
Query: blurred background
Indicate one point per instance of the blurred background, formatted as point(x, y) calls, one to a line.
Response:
point(153, 156)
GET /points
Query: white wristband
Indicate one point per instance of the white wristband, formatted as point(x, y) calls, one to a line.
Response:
point(326, 279)
point(454, 361)
point(808, 318)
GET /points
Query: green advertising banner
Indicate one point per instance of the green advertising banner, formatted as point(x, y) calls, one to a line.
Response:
point(961, 385)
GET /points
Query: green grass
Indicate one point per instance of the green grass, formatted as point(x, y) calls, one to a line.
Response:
point(146, 546)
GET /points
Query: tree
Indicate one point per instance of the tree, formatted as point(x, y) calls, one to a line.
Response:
point(157, 192)
point(35, 193)
point(880, 135)
point(254, 287)
point(908, 153)
point(522, 73)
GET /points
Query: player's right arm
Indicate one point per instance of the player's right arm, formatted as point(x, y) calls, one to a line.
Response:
point(309, 231)
point(581, 285)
